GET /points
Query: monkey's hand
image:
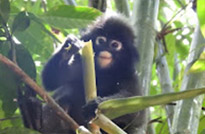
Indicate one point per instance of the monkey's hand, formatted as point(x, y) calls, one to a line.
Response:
point(89, 109)
point(72, 44)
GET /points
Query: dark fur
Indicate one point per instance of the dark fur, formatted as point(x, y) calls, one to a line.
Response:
point(118, 81)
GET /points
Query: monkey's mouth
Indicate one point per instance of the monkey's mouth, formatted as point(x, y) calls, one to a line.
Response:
point(104, 59)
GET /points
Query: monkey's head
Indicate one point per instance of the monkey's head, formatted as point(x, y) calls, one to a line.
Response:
point(113, 43)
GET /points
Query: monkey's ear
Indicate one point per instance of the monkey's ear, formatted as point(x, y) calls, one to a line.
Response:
point(87, 36)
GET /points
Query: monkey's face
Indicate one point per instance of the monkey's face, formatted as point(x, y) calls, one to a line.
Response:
point(113, 44)
point(107, 51)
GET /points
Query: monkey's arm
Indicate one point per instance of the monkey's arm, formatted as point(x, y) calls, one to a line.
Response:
point(90, 107)
point(61, 68)
point(127, 88)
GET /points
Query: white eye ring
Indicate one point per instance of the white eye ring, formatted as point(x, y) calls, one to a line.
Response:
point(100, 40)
point(116, 45)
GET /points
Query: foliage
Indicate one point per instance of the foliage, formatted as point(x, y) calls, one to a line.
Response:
point(36, 29)
point(201, 15)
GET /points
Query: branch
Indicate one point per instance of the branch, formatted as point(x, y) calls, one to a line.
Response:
point(89, 78)
point(90, 89)
point(106, 124)
point(123, 7)
point(178, 12)
point(89, 71)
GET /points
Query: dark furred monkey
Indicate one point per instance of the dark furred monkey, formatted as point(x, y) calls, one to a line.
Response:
point(115, 63)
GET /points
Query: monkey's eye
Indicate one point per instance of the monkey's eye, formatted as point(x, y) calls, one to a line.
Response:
point(116, 45)
point(100, 40)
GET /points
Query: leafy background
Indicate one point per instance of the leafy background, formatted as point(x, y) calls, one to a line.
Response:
point(38, 28)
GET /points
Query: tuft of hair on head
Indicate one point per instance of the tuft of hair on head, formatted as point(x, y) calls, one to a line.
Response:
point(100, 21)
point(112, 23)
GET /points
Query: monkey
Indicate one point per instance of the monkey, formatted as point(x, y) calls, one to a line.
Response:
point(115, 57)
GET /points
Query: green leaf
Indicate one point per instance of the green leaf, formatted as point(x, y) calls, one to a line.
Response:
point(8, 85)
point(12, 121)
point(2, 33)
point(4, 48)
point(36, 40)
point(25, 61)
point(178, 24)
point(179, 3)
point(66, 16)
point(162, 128)
point(29, 5)
point(14, 9)
point(201, 15)
point(199, 65)
point(182, 49)
point(201, 129)
point(170, 42)
point(37, 20)
point(21, 22)
point(4, 11)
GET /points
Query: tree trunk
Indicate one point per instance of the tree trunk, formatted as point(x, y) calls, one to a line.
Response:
point(144, 18)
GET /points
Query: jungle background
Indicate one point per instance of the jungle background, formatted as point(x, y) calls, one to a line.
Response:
point(170, 38)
